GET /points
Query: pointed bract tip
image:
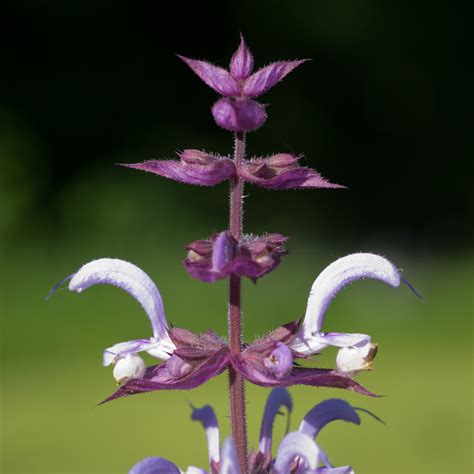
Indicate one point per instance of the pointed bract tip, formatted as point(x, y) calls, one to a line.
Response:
point(241, 64)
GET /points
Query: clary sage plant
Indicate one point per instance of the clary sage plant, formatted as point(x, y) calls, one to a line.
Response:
point(188, 360)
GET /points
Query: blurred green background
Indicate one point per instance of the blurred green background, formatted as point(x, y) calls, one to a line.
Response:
point(384, 108)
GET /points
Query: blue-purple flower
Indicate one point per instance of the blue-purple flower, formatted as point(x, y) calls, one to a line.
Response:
point(236, 110)
point(298, 452)
point(189, 360)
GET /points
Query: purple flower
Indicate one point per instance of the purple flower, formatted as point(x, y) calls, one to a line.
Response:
point(282, 171)
point(221, 255)
point(137, 283)
point(267, 361)
point(236, 111)
point(356, 350)
point(194, 167)
point(191, 359)
point(298, 451)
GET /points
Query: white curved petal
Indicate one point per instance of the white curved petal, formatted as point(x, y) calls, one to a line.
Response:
point(331, 280)
point(319, 341)
point(133, 280)
point(207, 417)
point(229, 462)
point(296, 445)
point(111, 354)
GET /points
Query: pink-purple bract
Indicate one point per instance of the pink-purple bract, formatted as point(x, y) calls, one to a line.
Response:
point(237, 111)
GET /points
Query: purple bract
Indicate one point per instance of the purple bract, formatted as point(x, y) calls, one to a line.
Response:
point(194, 167)
point(221, 255)
point(282, 171)
point(236, 111)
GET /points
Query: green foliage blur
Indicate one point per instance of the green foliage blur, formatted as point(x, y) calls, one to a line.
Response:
point(381, 108)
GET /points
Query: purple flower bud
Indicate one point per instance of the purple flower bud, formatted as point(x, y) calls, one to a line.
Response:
point(210, 260)
point(200, 157)
point(218, 257)
point(239, 115)
point(282, 171)
point(242, 114)
point(241, 64)
point(223, 252)
point(280, 361)
point(177, 367)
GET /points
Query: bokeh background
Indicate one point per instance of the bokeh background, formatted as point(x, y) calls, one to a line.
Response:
point(385, 107)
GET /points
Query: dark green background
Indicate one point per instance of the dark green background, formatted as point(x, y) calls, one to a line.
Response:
point(384, 107)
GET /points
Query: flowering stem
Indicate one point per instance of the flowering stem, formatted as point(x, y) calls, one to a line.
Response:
point(236, 382)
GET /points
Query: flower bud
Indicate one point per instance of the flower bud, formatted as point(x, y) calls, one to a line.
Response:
point(239, 115)
point(218, 257)
point(280, 361)
point(192, 156)
point(353, 360)
point(129, 367)
point(177, 367)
